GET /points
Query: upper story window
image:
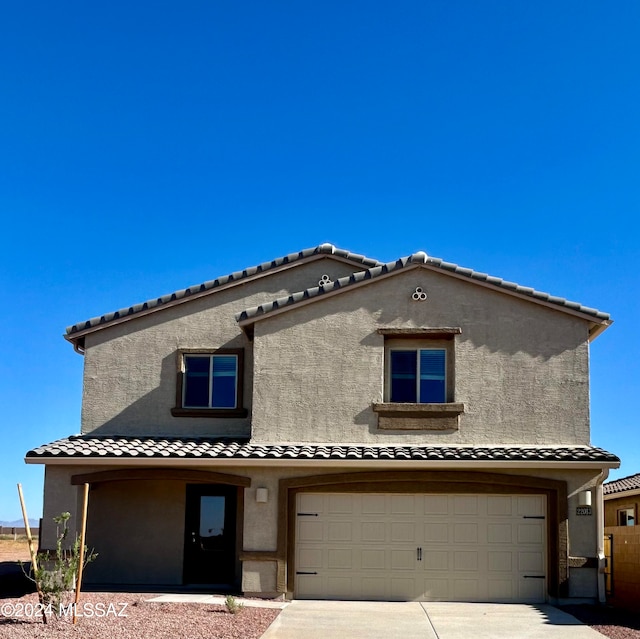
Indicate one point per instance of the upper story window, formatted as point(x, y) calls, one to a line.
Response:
point(417, 376)
point(627, 517)
point(210, 383)
point(419, 380)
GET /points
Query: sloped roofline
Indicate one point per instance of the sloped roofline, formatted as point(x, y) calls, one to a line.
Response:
point(625, 486)
point(76, 332)
point(599, 321)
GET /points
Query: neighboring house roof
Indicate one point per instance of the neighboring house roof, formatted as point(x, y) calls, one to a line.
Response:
point(158, 448)
point(623, 485)
point(76, 331)
point(599, 319)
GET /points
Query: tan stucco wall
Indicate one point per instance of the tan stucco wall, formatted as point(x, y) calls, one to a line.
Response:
point(313, 372)
point(521, 369)
point(130, 369)
point(612, 506)
point(137, 527)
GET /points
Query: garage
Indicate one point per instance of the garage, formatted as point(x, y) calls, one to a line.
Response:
point(430, 547)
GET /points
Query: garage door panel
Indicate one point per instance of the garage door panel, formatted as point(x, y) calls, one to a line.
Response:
point(403, 531)
point(500, 505)
point(465, 533)
point(373, 531)
point(531, 562)
point(310, 530)
point(531, 533)
point(403, 589)
point(403, 559)
point(374, 504)
point(403, 505)
point(340, 558)
point(465, 505)
point(436, 504)
point(421, 547)
point(436, 533)
point(311, 502)
point(500, 533)
point(343, 586)
point(465, 590)
point(500, 561)
point(375, 587)
point(501, 590)
point(340, 504)
point(436, 589)
point(531, 505)
point(340, 531)
point(466, 561)
point(436, 560)
point(373, 559)
point(307, 558)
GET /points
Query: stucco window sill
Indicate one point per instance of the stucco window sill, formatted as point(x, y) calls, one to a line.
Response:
point(418, 410)
point(209, 412)
point(438, 417)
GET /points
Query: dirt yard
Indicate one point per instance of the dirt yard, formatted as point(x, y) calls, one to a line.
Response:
point(18, 550)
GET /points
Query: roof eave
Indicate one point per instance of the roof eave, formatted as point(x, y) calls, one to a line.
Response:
point(632, 492)
point(85, 460)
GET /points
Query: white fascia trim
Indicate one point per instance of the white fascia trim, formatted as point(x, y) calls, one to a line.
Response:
point(623, 494)
point(353, 464)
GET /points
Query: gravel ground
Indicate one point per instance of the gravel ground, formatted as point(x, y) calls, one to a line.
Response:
point(107, 617)
point(611, 622)
point(143, 620)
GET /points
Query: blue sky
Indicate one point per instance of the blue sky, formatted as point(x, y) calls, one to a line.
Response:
point(145, 147)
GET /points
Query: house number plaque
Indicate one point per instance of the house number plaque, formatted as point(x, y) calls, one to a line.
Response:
point(583, 510)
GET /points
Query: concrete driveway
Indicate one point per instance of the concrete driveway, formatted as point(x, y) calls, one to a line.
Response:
point(390, 620)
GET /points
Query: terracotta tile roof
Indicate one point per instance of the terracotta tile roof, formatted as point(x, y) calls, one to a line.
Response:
point(412, 260)
point(326, 249)
point(86, 446)
point(622, 485)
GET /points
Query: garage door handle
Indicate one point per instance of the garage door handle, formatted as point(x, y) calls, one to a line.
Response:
point(534, 576)
point(533, 517)
point(306, 573)
point(419, 554)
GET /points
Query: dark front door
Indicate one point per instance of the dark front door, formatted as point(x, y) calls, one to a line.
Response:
point(210, 534)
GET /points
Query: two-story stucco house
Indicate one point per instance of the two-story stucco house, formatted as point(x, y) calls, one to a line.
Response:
point(328, 426)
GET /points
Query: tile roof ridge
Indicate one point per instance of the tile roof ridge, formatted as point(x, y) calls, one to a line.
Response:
point(322, 249)
point(622, 485)
point(416, 258)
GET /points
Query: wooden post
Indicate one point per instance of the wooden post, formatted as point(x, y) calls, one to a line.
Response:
point(34, 562)
point(83, 531)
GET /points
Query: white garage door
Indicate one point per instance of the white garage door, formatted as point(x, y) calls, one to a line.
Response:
point(421, 547)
